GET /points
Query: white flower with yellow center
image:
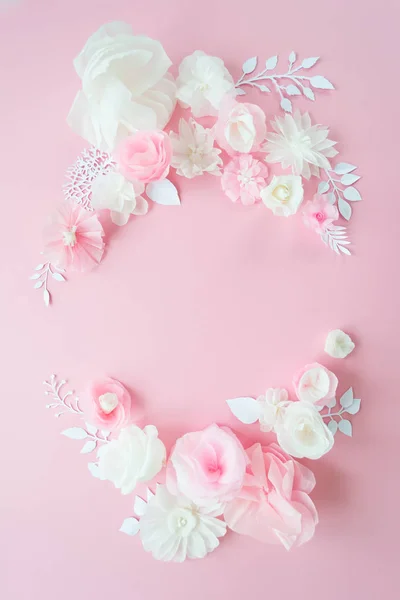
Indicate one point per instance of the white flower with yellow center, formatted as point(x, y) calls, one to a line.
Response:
point(283, 195)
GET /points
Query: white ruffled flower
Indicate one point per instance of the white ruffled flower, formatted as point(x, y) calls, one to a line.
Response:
point(283, 195)
point(338, 344)
point(297, 144)
point(273, 407)
point(193, 150)
point(203, 82)
point(125, 86)
point(173, 529)
point(120, 196)
point(136, 456)
point(303, 433)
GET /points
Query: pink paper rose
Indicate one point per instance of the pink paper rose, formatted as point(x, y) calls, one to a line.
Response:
point(111, 404)
point(240, 127)
point(145, 156)
point(316, 384)
point(319, 213)
point(244, 178)
point(273, 505)
point(207, 466)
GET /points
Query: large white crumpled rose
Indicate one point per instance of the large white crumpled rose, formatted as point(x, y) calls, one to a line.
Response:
point(303, 433)
point(136, 456)
point(120, 196)
point(125, 86)
point(283, 195)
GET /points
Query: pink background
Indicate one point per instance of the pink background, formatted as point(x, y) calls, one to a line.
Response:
point(197, 304)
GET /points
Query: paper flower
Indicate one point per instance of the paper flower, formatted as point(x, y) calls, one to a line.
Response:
point(297, 144)
point(243, 179)
point(338, 344)
point(319, 214)
point(203, 82)
point(136, 456)
point(125, 86)
point(316, 384)
point(145, 156)
point(173, 529)
point(110, 404)
point(273, 406)
point(207, 466)
point(283, 195)
point(303, 433)
point(121, 197)
point(240, 127)
point(193, 150)
point(74, 238)
point(274, 506)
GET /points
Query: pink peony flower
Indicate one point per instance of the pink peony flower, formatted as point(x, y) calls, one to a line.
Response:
point(207, 467)
point(145, 156)
point(240, 127)
point(318, 213)
point(316, 384)
point(273, 505)
point(74, 238)
point(243, 179)
point(110, 404)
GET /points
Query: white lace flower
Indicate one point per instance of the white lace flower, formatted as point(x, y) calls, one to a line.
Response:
point(273, 407)
point(299, 145)
point(173, 529)
point(120, 196)
point(203, 82)
point(338, 344)
point(193, 150)
point(283, 195)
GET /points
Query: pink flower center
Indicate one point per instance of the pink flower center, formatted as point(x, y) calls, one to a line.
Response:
point(320, 216)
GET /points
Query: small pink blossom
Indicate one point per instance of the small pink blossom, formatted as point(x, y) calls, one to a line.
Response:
point(110, 404)
point(240, 127)
point(244, 178)
point(314, 383)
point(145, 156)
point(319, 213)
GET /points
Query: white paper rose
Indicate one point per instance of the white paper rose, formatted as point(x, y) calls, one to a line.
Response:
point(273, 406)
point(136, 456)
point(338, 344)
point(203, 82)
point(283, 195)
point(125, 86)
point(302, 433)
point(120, 196)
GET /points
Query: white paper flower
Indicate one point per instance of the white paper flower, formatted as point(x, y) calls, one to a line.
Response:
point(120, 196)
point(273, 407)
point(136, 456)
point(203, 82)
point(297, 144)
point(174, 529)
point(125, 86)
point(283, 195)
point(303, 434)
point(338, 344)
point(193, 150)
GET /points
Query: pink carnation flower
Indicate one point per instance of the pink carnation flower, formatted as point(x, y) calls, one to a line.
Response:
point(110, 404)
point(74, 238)
point(274, 506)
point(145, 156)
point(243, 179)
point(319, 213)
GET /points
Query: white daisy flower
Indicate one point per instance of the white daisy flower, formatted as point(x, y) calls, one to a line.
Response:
point(193, 150)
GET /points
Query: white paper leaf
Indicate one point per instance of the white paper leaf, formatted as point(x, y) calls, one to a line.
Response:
point(344, 250)
point(89, 447)
point(293, 90)
point(271, 63)
point(94, 469)
point(58, 276)
point(345, 427)
point(249, 65)
point(264, 88)
point(39, 267)
point(331, 403)
point(105, 433)
point(75, 433)
point(332, 197)
point(163, 192)
point(92, 429)
point(355, 407)
point(139, 506)
point(321, 83)
point(344, 209)
point(130, 526)
point(35, 276)
point(349, 179)
point(309, 62)
point(352, 194)
point(38, 285)
point(332, 426)
point(308, 93)
point(286, 105)
point(240, 92)
point(247, 410)
point(149, 494)
point(347, 398)
point(46, 297)
point(292, 56)
point(323, 187)
point(343, 168)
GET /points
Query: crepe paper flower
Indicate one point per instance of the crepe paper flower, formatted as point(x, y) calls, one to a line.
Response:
point(316, 384)
point(302, 433)
point(193, 150)
point(74, 238)
point(298, 145)
point(145, 156)
point(319, 214)
point(338, 344)
point(174, 529)
point(207, 466)
point(110, 404)
point(274, 504)
point(240, 127)
point(125, 86)
point(137, 455)
point(203, 82)
point(120, 196)
point(243, 179)
point(273, 406)
point(283, 195)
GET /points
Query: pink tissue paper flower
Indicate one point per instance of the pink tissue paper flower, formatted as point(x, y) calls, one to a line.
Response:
point(274, 506)
point(145, 156)
point(319, 213)
point(316, 384)
point(207, 467)
point(74, 238)
point(244, 178)
point(110, 404)
point(240, 127)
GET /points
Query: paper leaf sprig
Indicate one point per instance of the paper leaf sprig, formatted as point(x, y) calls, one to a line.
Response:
point(335, 236)
point(339, 188)
point(131, 525)
point(348, 404)
point(41, 275)
point(292, 83)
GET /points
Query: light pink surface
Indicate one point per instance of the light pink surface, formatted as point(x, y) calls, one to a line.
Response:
point(197, 304)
